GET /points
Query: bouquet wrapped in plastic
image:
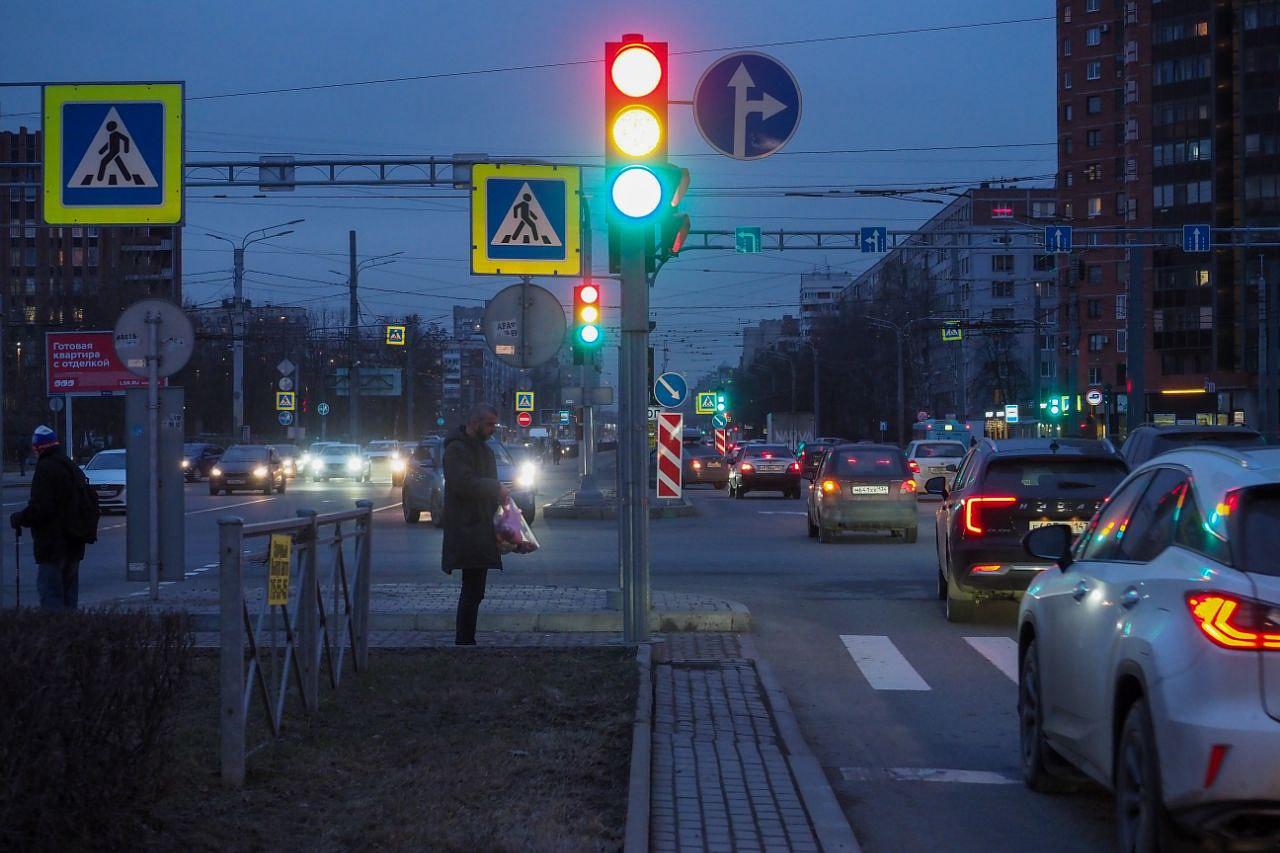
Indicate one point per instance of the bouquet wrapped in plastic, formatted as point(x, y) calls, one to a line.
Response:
point(513, 531)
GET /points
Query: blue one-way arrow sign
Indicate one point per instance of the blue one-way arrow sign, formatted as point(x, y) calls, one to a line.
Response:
point(1057, 239)
point(1196, 238)
point(875, 238)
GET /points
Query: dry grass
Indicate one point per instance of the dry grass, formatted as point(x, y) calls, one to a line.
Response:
point(474, 749)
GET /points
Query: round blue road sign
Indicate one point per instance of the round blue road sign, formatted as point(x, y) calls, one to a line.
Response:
point(670, 390)
point(747, 105)
point(285, 418)
point(719, 421)
point(439, 421)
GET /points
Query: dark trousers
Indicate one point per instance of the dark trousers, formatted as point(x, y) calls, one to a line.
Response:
point(58, 584)
point(473, 583)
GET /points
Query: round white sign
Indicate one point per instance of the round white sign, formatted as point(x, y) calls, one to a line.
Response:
point(1094, 397)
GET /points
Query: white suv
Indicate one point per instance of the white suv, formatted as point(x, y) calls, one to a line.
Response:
point(1150, 658)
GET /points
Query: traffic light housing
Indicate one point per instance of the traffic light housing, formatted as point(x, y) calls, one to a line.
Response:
point(587, 321)
point(722, 401)
point(636, 128)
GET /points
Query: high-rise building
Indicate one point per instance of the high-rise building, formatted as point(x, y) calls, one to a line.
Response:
point(62, 278)
point(472, 373)
point(1168, 116)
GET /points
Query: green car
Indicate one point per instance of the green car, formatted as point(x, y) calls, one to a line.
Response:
point(863, 487)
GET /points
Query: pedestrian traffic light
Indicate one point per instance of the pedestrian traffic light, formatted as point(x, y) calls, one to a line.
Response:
point(586, 321)
point(722, 401)
point(635, 114)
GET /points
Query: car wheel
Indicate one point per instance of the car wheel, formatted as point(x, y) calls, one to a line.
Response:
point(437, 511)
point(910, 535)
point(411, 516)
point(960, 606)
point(1142, 823)
point(740, 492)
point(268, 488)
point(942, 586)
point(284, 481)
point(826, 535)
point(1036, 754)
point(813, 528)
point(213, 493)
point(720, 486)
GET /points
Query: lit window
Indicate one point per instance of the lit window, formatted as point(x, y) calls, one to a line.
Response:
point(1093, 70)
point(1095, 206)
point(1202, 28)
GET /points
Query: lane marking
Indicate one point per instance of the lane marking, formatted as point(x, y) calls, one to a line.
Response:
point(779, 512)
point(197, 512)
point(927, 774)
point(882, 664)
point(1001, 651)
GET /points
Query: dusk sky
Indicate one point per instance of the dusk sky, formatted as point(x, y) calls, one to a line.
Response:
point(980, 86)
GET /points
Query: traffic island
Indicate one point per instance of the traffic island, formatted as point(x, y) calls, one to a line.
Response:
point(567, 506)
point(514, 609)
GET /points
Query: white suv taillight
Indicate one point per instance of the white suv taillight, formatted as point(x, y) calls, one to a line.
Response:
point(1234, 622)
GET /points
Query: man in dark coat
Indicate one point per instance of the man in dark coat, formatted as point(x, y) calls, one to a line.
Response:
point(472, 494)
point(53, 493)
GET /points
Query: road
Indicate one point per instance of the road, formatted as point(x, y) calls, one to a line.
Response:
point(913, 718)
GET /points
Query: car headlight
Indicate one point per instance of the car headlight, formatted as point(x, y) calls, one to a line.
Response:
point(215, 472)
point(317, 465)
point(353, 464)
point(397, 464)
point(186, 463)
point(260, 471)
point(526, 475)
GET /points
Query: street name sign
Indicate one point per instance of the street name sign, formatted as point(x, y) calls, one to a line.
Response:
point(705, 403)
point(1197, 238)
point(113, 154)
point(747, 240)
point(525, 220)
point(747, 105)
point(670, 390)
point(1057, 239)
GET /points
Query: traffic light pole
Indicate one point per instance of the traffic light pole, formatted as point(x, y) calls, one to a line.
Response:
point(633, 497)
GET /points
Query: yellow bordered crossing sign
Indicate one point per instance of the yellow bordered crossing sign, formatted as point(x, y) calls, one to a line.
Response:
point(113, 154)
point(524, 401)
point(525, 220)
point(395, 336)
point(286, 401)
point(705, 403)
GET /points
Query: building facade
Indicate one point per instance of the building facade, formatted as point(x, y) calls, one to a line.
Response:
point(819, 297)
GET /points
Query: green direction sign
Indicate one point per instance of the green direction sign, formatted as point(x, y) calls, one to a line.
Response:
point(719, 421)
point(705, 403)
point(746, 240)
point(951, 331)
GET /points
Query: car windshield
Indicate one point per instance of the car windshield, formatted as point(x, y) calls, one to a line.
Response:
point(868, 463)
point(769, 451)
point(245, 454)
point(1259, 531)
point(382, 445)
point(286, 451)
point(340, 450)
point(1227, 438)
point(192, 449)
point(1053, 477)
point(699, 450)
point(939, 449)
point(500, 452)
point(106, 462)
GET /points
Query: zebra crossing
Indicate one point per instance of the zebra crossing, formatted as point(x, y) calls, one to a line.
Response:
point(885, 667)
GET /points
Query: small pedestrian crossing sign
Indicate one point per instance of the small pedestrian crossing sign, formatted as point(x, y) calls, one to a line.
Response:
point(395, 336)
point(705, 403)
point(113, 154)
point(524, 401)
point(286, 401)
point(525, 220)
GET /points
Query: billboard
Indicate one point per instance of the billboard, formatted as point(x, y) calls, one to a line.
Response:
point(86, 363)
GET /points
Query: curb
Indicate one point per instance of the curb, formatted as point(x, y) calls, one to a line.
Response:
point(829, 821)
point(736, 619)
point(636, 838)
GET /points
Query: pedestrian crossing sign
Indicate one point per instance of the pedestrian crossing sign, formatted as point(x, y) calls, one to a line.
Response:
point(113, 154)
point(705, 403)
point(524, 401)
point(286, 401)
point(525, 220)
point(395, 336)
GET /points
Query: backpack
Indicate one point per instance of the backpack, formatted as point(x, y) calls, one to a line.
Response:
point(83, 512)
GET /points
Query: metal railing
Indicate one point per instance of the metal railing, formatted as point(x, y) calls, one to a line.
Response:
point(316, 637)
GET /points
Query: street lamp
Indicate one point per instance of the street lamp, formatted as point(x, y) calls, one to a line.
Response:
point(237, 312)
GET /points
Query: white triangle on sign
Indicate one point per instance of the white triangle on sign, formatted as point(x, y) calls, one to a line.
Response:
point(525, 223)
point(112, 159)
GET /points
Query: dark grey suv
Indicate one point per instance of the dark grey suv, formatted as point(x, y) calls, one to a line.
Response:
point(423, 488)
point(1149, 440)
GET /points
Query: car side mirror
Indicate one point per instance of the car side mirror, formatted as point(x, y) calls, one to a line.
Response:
point(1051, 542)
point(936, 486)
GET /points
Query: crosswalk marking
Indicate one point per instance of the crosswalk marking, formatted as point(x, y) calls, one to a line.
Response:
point(1001, 651)
point(882, 664)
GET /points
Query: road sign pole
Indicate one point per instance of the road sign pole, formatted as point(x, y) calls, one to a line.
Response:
point(633, 498)
point(153, 453)
point(1137, 342)
point(353, 345)
point(237, 342)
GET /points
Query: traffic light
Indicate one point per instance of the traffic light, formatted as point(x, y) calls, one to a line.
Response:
point(674, 228)
point(722, 401)
point(587, 334)
point(635, 115)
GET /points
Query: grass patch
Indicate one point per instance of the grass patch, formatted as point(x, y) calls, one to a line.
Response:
point(508, 749)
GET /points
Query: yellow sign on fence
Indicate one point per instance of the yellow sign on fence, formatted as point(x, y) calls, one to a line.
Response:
point(278, 562)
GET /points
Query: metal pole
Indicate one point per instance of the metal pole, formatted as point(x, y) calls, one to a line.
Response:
point(1137, 342)
point(1269, 285)
point(4, 446)
point(902, 422)
point(68, 433)
point(633, 498)
point(353, 345)
point(237, 345)
point(153, 453)
point(817, 396)
point(411, 340)
point(231, 650)
point(1037, 349)
point(306, 608)
point(363, 585)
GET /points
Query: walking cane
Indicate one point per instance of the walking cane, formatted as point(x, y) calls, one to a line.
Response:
point(17, 568)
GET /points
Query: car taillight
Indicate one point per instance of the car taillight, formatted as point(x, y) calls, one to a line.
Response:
point(697, 466)
point(746, 468)
point(914, 465)
point(794, 467)
point(909, 486)
point(1234, 622)
point(830, 487)
point(973, 511)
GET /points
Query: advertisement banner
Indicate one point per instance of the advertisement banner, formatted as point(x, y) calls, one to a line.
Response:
point(86, 363)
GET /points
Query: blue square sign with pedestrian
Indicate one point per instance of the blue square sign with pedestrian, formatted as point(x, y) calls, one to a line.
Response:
point(526, 219)
point(113, 153)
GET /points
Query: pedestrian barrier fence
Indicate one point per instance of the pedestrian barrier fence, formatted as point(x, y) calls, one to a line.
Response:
point(316, 636)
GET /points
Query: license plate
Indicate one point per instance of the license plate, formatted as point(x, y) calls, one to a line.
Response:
point(231, 482)
point(937, 470)
point(869, 490)
point(713, 464)
point(1077, 527)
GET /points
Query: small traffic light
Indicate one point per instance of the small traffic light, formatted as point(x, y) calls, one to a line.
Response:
point(635, 114)
point(303, 403)
point(722, 401)
point(586, 321)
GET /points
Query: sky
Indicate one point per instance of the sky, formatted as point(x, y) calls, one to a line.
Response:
point(867, 82)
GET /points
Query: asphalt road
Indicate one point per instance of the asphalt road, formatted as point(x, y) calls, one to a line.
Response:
point(913, 718)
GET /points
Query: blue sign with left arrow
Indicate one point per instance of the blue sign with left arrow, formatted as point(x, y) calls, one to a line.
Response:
point(670, 390)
